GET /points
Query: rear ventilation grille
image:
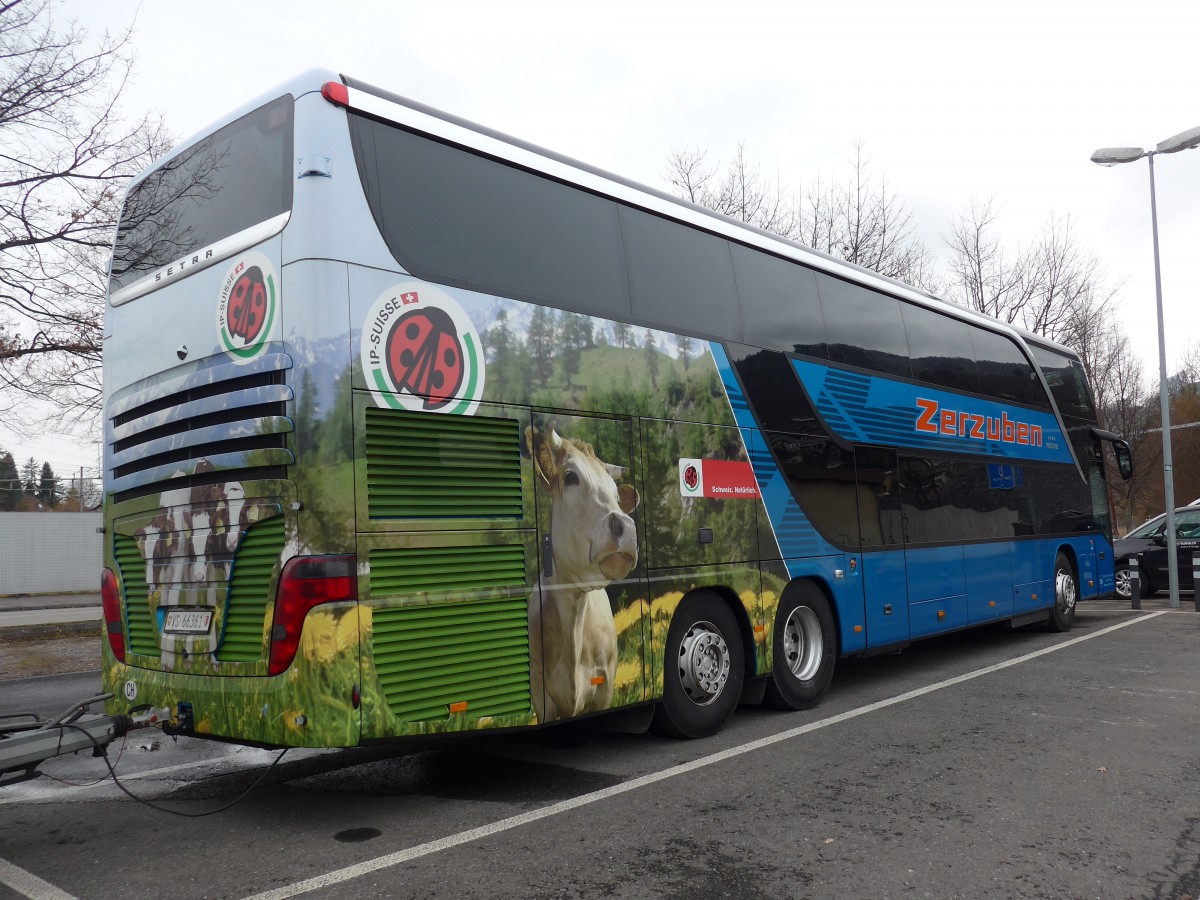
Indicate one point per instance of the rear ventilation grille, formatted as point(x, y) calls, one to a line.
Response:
point(249, 592)
point(428, 569)
point(225, 422)
point(432, 658)
point(426, 465)
point(143, 632)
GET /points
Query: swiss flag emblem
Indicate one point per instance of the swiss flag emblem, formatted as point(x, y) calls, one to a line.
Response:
point(408, 298)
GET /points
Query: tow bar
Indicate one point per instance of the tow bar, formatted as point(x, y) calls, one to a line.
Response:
point(26, 741)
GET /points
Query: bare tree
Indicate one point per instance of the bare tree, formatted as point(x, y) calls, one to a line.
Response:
point(985, 277)
point(1052, 287)
point(739, 192)
point(861, 220)
point(66, 154)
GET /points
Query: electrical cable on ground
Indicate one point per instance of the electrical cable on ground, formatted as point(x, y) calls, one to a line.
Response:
point(176, 812)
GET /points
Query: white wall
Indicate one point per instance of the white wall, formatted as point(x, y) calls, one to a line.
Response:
point(50, 553)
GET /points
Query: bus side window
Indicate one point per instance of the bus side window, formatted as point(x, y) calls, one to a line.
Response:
point(863, 327)
point(879, 510)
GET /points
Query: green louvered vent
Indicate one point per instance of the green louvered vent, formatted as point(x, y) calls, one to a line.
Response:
point(429, 657)
point(426, 465)
point(256, 558)
point(143, 634)
point(423, 569)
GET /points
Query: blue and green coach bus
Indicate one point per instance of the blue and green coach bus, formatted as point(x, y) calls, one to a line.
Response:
point(414, 428)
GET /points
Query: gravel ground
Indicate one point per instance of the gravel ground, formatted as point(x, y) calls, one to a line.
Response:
point(48, 656)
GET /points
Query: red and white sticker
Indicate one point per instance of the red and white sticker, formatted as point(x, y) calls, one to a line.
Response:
point(719, 479)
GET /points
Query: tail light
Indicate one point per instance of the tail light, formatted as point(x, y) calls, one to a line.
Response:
point(114, 622)
point(307, 581)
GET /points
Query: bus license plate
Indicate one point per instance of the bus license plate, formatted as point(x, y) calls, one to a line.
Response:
point(187, 621)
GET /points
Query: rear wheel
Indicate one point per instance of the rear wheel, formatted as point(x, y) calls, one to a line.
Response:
point(703, 669)
point(1066, 595)
point(805, 649)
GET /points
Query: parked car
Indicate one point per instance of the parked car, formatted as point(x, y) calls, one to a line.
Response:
point(1148, 544)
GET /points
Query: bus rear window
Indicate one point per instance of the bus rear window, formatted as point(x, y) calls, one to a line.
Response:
point(234, 179)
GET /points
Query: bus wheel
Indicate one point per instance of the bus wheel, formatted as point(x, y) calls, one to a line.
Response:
point(805, 649)
point(703, 669)
point(1066, 595)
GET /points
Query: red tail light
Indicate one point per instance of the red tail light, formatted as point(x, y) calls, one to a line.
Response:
point(335, 92)
point(307, 581)
point(114, 622)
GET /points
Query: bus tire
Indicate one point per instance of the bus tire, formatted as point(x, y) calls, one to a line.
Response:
point(703, 669)
point(1066, 595)
point(804, 649)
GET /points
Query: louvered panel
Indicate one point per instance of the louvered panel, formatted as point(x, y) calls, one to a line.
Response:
point(429, 657)
point(425, 465)
point(253, 565)
point(139, 620)
point(422, 569)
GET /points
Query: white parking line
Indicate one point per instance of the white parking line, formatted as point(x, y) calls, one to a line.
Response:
point(29, 885)
point(463, 837)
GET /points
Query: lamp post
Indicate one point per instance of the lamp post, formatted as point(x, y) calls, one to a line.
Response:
point(1112, 156)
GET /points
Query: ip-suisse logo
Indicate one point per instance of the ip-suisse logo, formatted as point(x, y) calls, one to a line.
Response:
point(421, 352)
point(246, 306)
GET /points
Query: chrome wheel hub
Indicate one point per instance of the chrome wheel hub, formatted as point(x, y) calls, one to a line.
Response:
point(1124, 583)
point(704, 663)
point(803, 643)
point(1064, 590)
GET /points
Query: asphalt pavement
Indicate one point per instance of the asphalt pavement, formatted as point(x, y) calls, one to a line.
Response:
point(27, 616)
point(989, 763)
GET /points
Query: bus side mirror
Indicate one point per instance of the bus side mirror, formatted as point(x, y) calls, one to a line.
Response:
point(1124, 460)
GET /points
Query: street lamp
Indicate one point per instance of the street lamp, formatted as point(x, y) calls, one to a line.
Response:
point(1113, 156)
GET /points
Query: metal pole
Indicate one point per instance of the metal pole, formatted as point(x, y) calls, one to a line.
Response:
point(1135, 583)
point(1165, 403)
point(1196, 578)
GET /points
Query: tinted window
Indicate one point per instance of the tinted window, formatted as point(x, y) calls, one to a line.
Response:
point(863, 328)
point(773, 390)
point(940, 348)
point(1068, 383)
point(821, 477)
point(880, 511)
point(238, 177)
point(680, 279)
point(454, 217)
point(1004, 372)
point(950, 501)
point(780, 305)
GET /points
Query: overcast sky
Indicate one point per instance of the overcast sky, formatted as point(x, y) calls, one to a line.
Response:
point(954, 101)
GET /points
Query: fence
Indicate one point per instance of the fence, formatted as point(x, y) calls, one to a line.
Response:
point(50, 553)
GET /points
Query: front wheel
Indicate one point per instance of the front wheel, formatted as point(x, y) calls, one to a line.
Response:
point(703, 669)
point(1124, 582)
point(805, 649)
point(1066, 595)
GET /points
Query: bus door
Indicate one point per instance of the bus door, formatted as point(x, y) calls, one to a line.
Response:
point(884, 572)
point(589, 613)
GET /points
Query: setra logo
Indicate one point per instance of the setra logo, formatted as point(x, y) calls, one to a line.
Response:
point(420, 351)
point(246, 306)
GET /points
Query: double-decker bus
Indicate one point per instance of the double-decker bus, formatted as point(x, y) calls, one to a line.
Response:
point(414, 428)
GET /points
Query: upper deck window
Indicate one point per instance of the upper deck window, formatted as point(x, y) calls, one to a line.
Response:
point(233, 179)
point(1068, 383)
